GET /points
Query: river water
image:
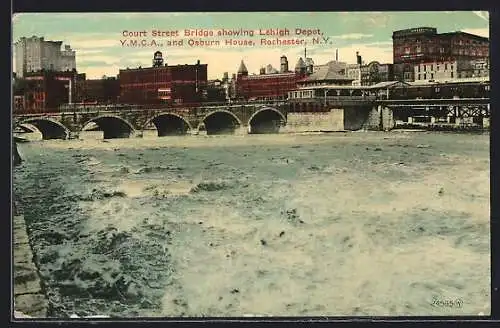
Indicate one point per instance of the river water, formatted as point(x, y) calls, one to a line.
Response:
point(361, 223)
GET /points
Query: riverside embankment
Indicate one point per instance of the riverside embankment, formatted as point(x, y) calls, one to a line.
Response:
point(29, 298)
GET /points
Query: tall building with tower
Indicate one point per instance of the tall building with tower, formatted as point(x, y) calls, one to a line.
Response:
point(34, 54)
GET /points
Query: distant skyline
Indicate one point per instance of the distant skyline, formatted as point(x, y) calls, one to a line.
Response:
point(97, 37)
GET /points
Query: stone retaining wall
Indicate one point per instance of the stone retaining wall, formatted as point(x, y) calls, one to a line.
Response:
point(310, 122)
point(29, 298)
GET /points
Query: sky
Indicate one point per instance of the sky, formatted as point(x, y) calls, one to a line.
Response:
point(99, 42)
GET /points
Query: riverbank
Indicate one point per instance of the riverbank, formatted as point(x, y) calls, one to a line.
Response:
point(29, 298)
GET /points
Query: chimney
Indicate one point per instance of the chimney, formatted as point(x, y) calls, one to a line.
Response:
point(337, 55)
point(358, 58)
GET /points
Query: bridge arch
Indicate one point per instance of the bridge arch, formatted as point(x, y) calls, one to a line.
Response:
point(112, 126)
point(27, 127)
point(221, 121)
point(170, 124)
point(49, 128)
point(266, 120)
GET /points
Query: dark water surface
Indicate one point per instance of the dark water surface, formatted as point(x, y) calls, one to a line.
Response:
point(333, 224)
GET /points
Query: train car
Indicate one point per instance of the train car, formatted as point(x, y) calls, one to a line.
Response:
point(447, 90)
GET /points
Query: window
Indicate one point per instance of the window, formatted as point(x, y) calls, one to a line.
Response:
point(419, 68)
point(451, 67)
point(445, 66)
point(425, 68)
point(418, 77)
point(432, 67)
point(432, 76)
point(437, 68)
point(451, 74)
point(425, 76)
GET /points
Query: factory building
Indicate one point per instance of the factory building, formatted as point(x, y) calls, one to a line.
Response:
point(161, 83)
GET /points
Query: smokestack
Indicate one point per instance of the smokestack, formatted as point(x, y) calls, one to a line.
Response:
point(305, 53)
point(358, 58)
point(337, 55)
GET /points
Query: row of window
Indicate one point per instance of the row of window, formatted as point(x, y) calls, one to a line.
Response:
point(301, 94)
point(459, 42)
point(431, 76)
point(432, 67)
point(463, 52)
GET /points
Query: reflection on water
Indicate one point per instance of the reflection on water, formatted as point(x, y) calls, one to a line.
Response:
point(332, 224)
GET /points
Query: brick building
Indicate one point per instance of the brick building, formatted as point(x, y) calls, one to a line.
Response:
point(267, 86)
point(98, 91)
point(45, 91)
point(423, 44)
point(163, 84)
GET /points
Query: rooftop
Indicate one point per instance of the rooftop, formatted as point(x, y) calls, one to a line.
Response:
point(329, 72)
point(381, 85)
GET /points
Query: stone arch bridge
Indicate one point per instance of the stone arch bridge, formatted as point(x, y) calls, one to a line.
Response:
point(123, 123)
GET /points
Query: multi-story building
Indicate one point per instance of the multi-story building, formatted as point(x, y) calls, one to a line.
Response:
point(46, 91)
point(451, 70)
point(35, 54)
point(375, 72)
point(163, 84)
point(268, 86)
point(425, 45)
point(67, 59)
point(98, 91)
point(353, 71)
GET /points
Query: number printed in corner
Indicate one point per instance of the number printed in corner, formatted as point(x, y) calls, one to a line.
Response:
point(447, 302)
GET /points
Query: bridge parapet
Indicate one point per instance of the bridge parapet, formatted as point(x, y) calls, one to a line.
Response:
point(134, 119)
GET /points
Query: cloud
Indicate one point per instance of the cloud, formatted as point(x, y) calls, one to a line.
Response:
point(95, 44)
point(352, 36)
point(483, 15)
